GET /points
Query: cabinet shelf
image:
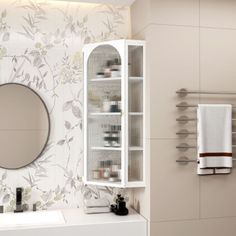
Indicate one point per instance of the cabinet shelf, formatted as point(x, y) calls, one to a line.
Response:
point(106, 148)
point(110, 79)
point(104, 183)
point(105, 113)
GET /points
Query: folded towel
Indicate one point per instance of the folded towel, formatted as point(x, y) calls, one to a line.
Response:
point(96, 210)
point(214, 139)
point(101, 202)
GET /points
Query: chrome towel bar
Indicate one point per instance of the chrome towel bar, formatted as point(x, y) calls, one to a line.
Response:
point(186, 119)
point(185, 161)
point(185, 92)
point(186, 132)
point(187, 146)
point(186, 105)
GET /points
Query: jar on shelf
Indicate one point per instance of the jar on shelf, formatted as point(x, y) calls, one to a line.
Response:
point(106, 104)
point(107, 70)
point(101, 169)
point(107, 169)
point(100, 75)
point(114, 106)
point(115, 136)
point(119, 106)
point(115, 73)
point(116, 64)
point(96, 174)
point(107, 138)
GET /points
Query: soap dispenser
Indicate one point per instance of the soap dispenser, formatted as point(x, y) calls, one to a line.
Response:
point(120, 207)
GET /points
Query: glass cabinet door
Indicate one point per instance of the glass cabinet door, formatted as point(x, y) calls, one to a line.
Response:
point(135, 113)
point(104, 116)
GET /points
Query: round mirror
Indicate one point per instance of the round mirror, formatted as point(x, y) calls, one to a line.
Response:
point(24, 126)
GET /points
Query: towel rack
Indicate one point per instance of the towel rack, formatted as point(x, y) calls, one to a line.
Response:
point(186, 119)
point(186, 132)
point(186, 105)
point(184, 92)
point(186, 146)
point(186, 161)
point(183, 119)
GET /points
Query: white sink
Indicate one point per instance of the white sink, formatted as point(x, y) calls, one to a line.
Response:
point(31, 218)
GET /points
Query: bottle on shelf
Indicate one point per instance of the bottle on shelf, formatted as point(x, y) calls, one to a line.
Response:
point(115, 136)
point(114, 106)
point(106, 103)
point(107, 170)
point(101, 169)
point(117, 64)
point(111, 136)
point(107, 70)
point(107, 139)
point(116, 68)
point(100, 75)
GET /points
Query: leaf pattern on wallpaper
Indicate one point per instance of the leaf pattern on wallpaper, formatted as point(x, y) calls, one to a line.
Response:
point(41, 46)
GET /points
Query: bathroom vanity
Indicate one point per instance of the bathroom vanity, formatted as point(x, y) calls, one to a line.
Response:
point(73, 222)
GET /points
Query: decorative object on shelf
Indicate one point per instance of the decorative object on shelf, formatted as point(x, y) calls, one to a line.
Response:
point(114, 106)
point(1, 209)
point(107, 138)
point(100, 75)
point(114, 130)
point(112, 136)
point(107, 170)
point(107, 70)
point(106, 102)
point(96, 174)
point(117, 64)
point(35, 207)
point(115, 73)
point(120, 207)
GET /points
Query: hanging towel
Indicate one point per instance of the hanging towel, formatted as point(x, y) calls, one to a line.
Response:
point(214, 139)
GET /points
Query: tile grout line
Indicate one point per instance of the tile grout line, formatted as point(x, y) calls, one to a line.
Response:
point(186, 26)
point(199, 85)
point(194, 219)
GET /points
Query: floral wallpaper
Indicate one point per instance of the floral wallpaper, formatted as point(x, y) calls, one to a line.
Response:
point(41, 46)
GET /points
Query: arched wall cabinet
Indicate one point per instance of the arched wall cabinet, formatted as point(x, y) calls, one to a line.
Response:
point(114, 113)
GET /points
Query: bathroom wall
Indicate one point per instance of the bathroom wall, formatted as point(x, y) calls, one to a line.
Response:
point(41, 46)
point(190, 44)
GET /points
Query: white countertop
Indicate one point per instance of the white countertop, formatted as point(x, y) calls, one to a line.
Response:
point(77, 217)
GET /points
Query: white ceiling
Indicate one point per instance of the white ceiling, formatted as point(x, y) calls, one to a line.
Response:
point(114, 2)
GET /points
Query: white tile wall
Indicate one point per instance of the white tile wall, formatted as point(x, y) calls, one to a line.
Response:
point(191, 44)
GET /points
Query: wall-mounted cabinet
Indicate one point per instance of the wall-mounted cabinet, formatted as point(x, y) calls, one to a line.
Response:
point(114, 85)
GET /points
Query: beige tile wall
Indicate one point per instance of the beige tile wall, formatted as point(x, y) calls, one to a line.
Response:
point(190, 44)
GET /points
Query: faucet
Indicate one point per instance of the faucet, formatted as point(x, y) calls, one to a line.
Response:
point(19, 206)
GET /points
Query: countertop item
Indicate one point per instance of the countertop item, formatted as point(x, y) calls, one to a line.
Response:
point(78, 223)
point(96, 210)
point(101, 202)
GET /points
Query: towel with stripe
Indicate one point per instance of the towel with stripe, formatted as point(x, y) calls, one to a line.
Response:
point(214, 139)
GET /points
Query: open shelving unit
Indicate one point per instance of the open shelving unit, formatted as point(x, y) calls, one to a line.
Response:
point(114, 114)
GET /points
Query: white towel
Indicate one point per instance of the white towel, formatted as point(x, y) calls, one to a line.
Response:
point(214, 139)
point(100, 202)
point(96, 210)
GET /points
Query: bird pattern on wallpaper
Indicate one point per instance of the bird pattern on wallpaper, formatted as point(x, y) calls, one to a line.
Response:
point(41, 46)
